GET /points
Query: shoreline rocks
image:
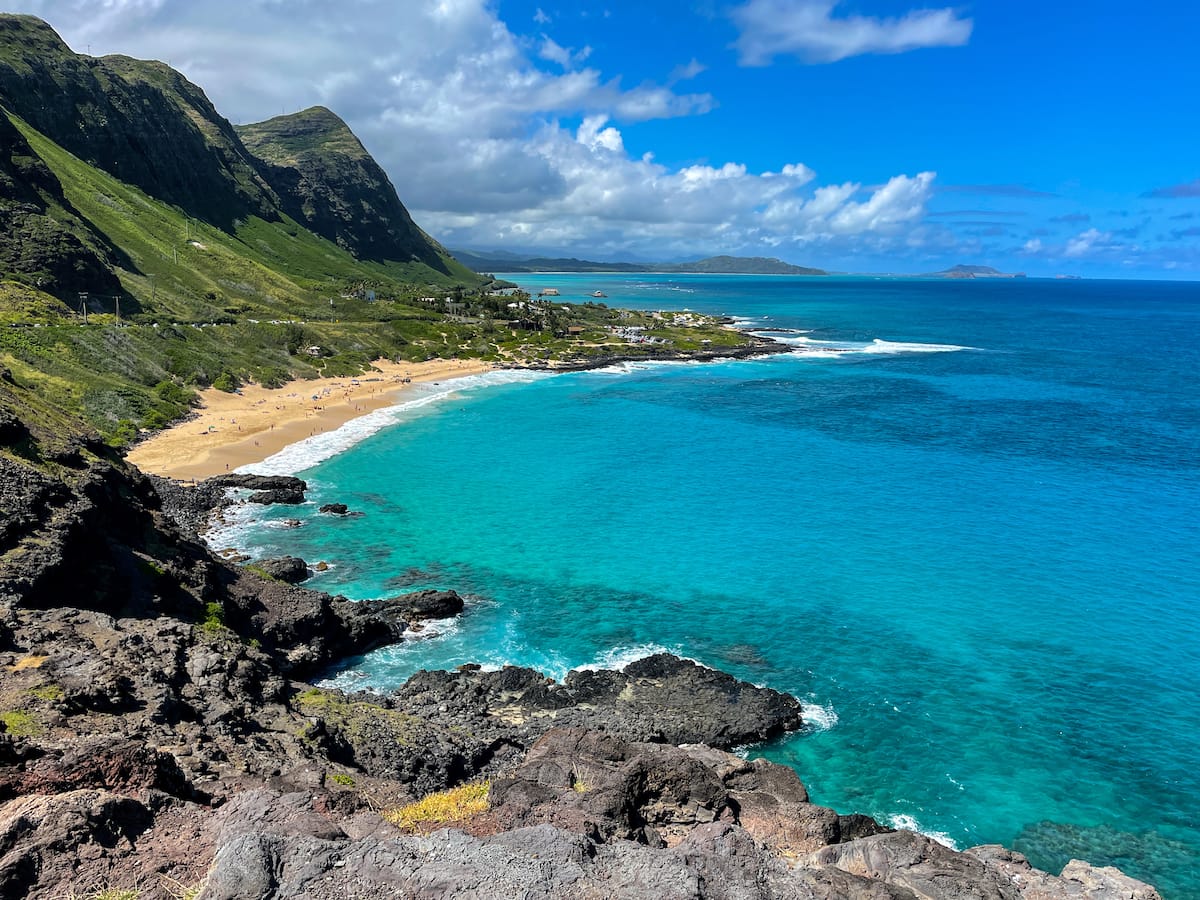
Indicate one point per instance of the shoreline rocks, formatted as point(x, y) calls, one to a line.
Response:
point(156, 731)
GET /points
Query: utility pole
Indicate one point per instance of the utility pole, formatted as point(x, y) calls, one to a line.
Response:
point(118, 302)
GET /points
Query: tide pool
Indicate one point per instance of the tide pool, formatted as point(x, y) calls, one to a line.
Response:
point(960, 523)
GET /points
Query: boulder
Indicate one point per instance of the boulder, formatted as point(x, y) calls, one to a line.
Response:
point(291, 569)
point(286, 496)
point(336, 509)
point(422, 605)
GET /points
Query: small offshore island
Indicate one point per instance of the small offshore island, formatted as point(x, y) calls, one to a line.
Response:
point(160, 734)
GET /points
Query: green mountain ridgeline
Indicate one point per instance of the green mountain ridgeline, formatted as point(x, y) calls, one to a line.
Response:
point(202, 253)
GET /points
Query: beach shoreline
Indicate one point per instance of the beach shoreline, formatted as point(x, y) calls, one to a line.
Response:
point(228, 431)
point(232, 430)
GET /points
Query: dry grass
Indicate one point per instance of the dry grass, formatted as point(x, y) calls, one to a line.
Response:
point(442, 808)
point(28, 662)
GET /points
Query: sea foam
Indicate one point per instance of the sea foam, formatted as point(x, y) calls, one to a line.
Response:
point(818, 717)
point(907, 822)
point(819, 349)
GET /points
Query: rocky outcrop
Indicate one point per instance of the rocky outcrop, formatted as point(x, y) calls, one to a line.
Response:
point(423, 605)
point(307, 631)
point(267, 489)
point(289, 569)
point(657, 794)
point(470, 722)
point(195, 506)
point(660, 699)
point(588, 815)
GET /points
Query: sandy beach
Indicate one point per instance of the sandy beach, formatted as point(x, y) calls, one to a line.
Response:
point(233, 430)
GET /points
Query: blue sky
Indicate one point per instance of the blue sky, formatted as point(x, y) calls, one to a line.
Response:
point(867, 135)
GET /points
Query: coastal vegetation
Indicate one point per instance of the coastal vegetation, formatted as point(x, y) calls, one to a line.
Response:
point(146, 255)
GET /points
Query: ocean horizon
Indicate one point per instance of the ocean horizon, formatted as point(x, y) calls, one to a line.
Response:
point(958, 521)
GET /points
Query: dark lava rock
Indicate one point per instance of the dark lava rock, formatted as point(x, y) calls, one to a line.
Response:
point(114, 764)
point(291, 569)
point(287, 496)
point(471, 722)
point(258, 482)
point(336, 509)
point(309, 631)
point(193, 506)
point(656, 794)
point(422, 605)
point(659, 699)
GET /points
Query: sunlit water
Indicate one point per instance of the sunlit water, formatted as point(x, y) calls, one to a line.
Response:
point(969, 543)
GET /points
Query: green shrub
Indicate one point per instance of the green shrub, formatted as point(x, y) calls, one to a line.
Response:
point(214, 618)
point(227, 382)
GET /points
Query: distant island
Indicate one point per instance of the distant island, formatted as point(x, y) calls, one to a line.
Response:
point(961, 271)
point(713, 265)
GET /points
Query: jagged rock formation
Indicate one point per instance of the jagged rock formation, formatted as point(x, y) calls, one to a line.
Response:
point(588, 815)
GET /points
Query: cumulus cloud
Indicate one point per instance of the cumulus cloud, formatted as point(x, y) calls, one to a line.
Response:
point(472, 122)
point(810, 30)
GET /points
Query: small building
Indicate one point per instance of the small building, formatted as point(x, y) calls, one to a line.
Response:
point(316, 351)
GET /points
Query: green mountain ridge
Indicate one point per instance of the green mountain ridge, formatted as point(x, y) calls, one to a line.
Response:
point(713, 265)
point(328, 182)
point(149, 128)
point(122, 190)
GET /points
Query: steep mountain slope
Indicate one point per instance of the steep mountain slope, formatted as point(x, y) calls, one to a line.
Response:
point(41, 234)
point(326, 180)
point(141, 122)
point(137, 138)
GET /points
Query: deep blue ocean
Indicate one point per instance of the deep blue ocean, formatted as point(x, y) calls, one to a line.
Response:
point(971, 544)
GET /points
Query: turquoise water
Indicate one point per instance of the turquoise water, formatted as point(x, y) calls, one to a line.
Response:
point(969, 544)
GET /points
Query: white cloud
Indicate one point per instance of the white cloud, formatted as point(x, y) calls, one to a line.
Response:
point(1032, 246)
point(1087, 242)
point(540, 17)
point(686, 72)
point(472, 128)
point(567, 57)
point(809, 30)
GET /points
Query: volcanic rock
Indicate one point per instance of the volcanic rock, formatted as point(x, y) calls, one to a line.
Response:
point(291, 569)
